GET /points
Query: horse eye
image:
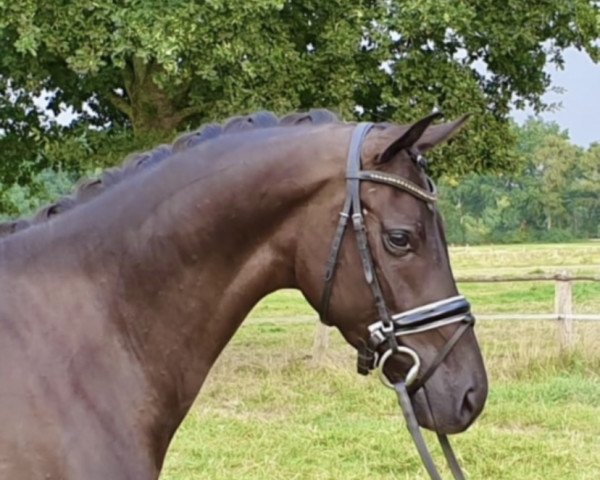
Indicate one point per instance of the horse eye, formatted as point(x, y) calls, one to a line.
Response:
point(398, 241)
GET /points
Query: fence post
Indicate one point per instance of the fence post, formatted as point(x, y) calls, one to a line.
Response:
point(563, 307)
point(320, 344)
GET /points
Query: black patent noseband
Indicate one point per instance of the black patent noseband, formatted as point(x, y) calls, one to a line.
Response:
point(385, 331)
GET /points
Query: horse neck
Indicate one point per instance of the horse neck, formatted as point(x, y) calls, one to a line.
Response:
point(181, 255)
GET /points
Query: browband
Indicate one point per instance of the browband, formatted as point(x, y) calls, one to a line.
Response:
point(352, 210)
point(398, 182)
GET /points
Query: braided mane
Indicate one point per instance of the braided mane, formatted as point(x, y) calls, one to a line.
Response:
point(87, 189)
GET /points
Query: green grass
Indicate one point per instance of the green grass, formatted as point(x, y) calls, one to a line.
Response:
point(581, 257)
point(267, 413)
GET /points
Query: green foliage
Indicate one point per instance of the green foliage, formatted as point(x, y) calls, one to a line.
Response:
point(554, 197)
point(60, 161)
point(45, 186)
point(533, 133)
point(82, 150)
point(165, 65)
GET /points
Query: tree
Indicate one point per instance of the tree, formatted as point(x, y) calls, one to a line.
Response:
point(533, 133)
point(555, 161)
point(162, 65)
point(584, 193)
point(554, 196)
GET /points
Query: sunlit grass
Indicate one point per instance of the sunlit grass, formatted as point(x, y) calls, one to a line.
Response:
point(267, 413)
point(522, 259)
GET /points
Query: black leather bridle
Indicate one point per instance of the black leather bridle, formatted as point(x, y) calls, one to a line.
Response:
point(385, 332)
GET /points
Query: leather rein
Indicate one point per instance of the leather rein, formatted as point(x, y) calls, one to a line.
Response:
point(385, 332)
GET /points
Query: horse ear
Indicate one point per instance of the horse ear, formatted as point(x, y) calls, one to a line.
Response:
point(422, 136)
point(409, 138)
point(440, 133)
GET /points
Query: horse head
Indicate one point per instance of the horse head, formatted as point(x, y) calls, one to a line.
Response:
point(388, 285)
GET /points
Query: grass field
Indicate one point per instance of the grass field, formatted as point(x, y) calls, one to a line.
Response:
point(267, 413)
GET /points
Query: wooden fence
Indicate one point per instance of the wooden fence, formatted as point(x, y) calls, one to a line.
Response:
point(563, 308)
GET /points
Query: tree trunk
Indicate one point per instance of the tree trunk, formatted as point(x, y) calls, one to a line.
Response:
point(150, 107)
point(152, 110)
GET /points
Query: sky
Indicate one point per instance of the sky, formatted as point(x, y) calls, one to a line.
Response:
point(579, 109)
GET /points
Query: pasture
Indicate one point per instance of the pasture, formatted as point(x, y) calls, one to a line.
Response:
point(266, 413)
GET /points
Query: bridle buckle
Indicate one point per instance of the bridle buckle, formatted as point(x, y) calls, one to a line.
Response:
point(357, 221)
point(379, 333)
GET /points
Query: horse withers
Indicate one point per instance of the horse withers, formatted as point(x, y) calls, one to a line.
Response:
point(114, 307)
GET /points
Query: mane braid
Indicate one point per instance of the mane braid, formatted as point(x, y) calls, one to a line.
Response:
point(86, 189)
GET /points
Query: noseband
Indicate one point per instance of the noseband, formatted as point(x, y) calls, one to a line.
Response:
point(385, 333)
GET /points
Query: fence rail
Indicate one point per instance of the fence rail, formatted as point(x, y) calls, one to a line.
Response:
point(558, 277)
point(537, 316)
point(563, 307)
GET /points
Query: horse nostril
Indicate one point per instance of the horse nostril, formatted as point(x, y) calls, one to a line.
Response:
point(469, 405)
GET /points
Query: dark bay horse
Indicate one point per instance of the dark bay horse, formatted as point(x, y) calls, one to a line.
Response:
point(116, 301)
